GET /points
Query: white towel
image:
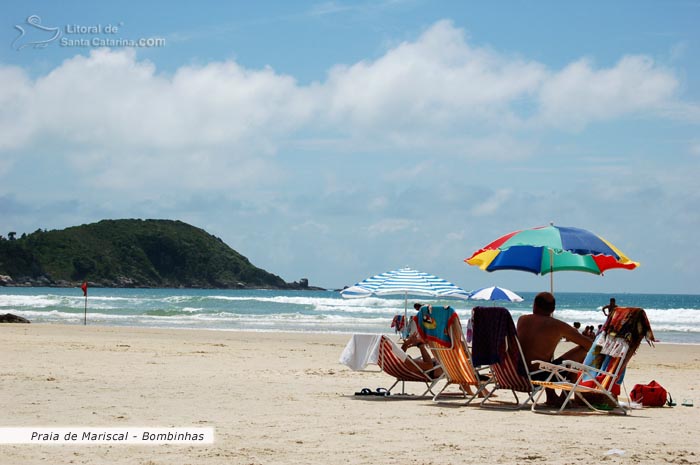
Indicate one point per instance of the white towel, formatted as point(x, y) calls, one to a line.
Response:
point(361, 350)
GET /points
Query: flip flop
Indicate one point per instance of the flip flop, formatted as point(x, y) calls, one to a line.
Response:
point(381, 392)
point(364, 392)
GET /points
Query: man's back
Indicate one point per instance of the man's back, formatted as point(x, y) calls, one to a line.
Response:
point(539, 336)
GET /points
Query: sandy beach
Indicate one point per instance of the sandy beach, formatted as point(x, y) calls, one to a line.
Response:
point(283, 398)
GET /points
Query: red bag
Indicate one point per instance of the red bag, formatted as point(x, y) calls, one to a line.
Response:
point(649, 395)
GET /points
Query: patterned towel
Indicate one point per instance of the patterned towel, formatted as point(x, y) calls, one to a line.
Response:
point(398, 323)
point(624, 328)
point(622, 332)
point(433, 323)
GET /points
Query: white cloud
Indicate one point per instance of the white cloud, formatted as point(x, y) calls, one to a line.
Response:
point(437, 80)
point(16, 122)
point(378, 203)
point(312, 227)
point(492, 204)
point(580, 94)
point(220, 126)
point(109, 113)
point(391, 225)
point(695, 148)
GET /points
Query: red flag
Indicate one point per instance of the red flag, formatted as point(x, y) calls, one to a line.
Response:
point(84, 288)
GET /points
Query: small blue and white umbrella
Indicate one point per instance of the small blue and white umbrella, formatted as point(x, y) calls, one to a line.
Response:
point(404, 281)
point(495, 293)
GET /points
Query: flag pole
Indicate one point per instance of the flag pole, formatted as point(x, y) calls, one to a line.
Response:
point(84, 287)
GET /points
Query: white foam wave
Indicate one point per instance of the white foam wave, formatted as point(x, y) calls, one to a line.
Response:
point(315, 301)
point(221, 317)
point(36, 301)
point(50, 300)
point(192, 309)
point(674, 315)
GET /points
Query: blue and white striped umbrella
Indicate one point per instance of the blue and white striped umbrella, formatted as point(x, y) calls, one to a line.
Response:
point(495, 293)
point(407, 282)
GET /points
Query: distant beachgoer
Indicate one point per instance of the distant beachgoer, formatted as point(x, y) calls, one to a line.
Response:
point(608, 309)
point(589, 332)
point(417, 306)
point(577, 325)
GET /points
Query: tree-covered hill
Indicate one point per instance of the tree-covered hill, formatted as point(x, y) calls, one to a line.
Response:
point(130, 253)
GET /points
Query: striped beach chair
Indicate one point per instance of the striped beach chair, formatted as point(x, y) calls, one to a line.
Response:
point(599, 378)
point(495, 343)
point(392, 360)
point(441, 329)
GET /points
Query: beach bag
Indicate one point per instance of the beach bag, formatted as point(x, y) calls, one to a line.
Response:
point(649, 395)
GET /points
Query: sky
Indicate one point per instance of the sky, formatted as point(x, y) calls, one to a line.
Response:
point(337, 140)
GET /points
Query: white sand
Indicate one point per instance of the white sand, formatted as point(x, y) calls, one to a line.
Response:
point(284, 399)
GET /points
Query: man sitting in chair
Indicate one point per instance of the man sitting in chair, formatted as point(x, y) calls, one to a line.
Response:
point(539, 335)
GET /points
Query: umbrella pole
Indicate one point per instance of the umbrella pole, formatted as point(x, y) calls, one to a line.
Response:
point(551, 271)
point(405, 307)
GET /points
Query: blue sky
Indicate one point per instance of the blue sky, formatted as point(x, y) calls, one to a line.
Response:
point(336, 140)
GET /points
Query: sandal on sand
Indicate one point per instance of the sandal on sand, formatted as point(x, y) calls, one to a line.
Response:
point(365, 392)
point(381, 392)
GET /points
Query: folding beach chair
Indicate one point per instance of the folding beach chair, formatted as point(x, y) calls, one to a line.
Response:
point(495, 343)
point(392, 360)
point(441, 329)
point(601, 374)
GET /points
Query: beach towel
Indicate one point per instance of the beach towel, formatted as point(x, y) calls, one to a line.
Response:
point(398, 323)
point(433, 322)
point(401, 325)
point(488, 333)
point(625, 327)
point(361, 350)
point(616, 343)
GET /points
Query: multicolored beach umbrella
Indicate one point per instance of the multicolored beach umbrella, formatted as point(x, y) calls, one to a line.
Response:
point(547, 249)
point(495, 293)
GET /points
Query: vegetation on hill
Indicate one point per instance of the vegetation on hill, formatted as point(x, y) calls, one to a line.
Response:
point(130, 253)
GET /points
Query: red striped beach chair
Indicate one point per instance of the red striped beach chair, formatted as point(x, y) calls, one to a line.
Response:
point(495, 343)
point(392, 361)
point(441, 329)
point(601, 374)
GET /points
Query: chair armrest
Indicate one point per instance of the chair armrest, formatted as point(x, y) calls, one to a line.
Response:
point(576, 366)
point(548, 366)
point(557, 371)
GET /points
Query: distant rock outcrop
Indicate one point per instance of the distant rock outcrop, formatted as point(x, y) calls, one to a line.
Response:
point(10, 318)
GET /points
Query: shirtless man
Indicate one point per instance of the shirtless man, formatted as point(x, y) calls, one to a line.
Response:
point(608, 309)
point(540, 333)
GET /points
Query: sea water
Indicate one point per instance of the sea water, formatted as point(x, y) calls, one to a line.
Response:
point(673, 317)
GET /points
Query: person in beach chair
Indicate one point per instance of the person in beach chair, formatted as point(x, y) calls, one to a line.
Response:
point(495, 343)
point(396, 362)
point(599, 378)
point(441, 329)
point(540, 333)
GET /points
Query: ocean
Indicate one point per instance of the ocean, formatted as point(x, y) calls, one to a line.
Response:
point(675, 318)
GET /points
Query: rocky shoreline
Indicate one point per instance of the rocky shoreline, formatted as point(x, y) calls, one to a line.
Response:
point(127, 283)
